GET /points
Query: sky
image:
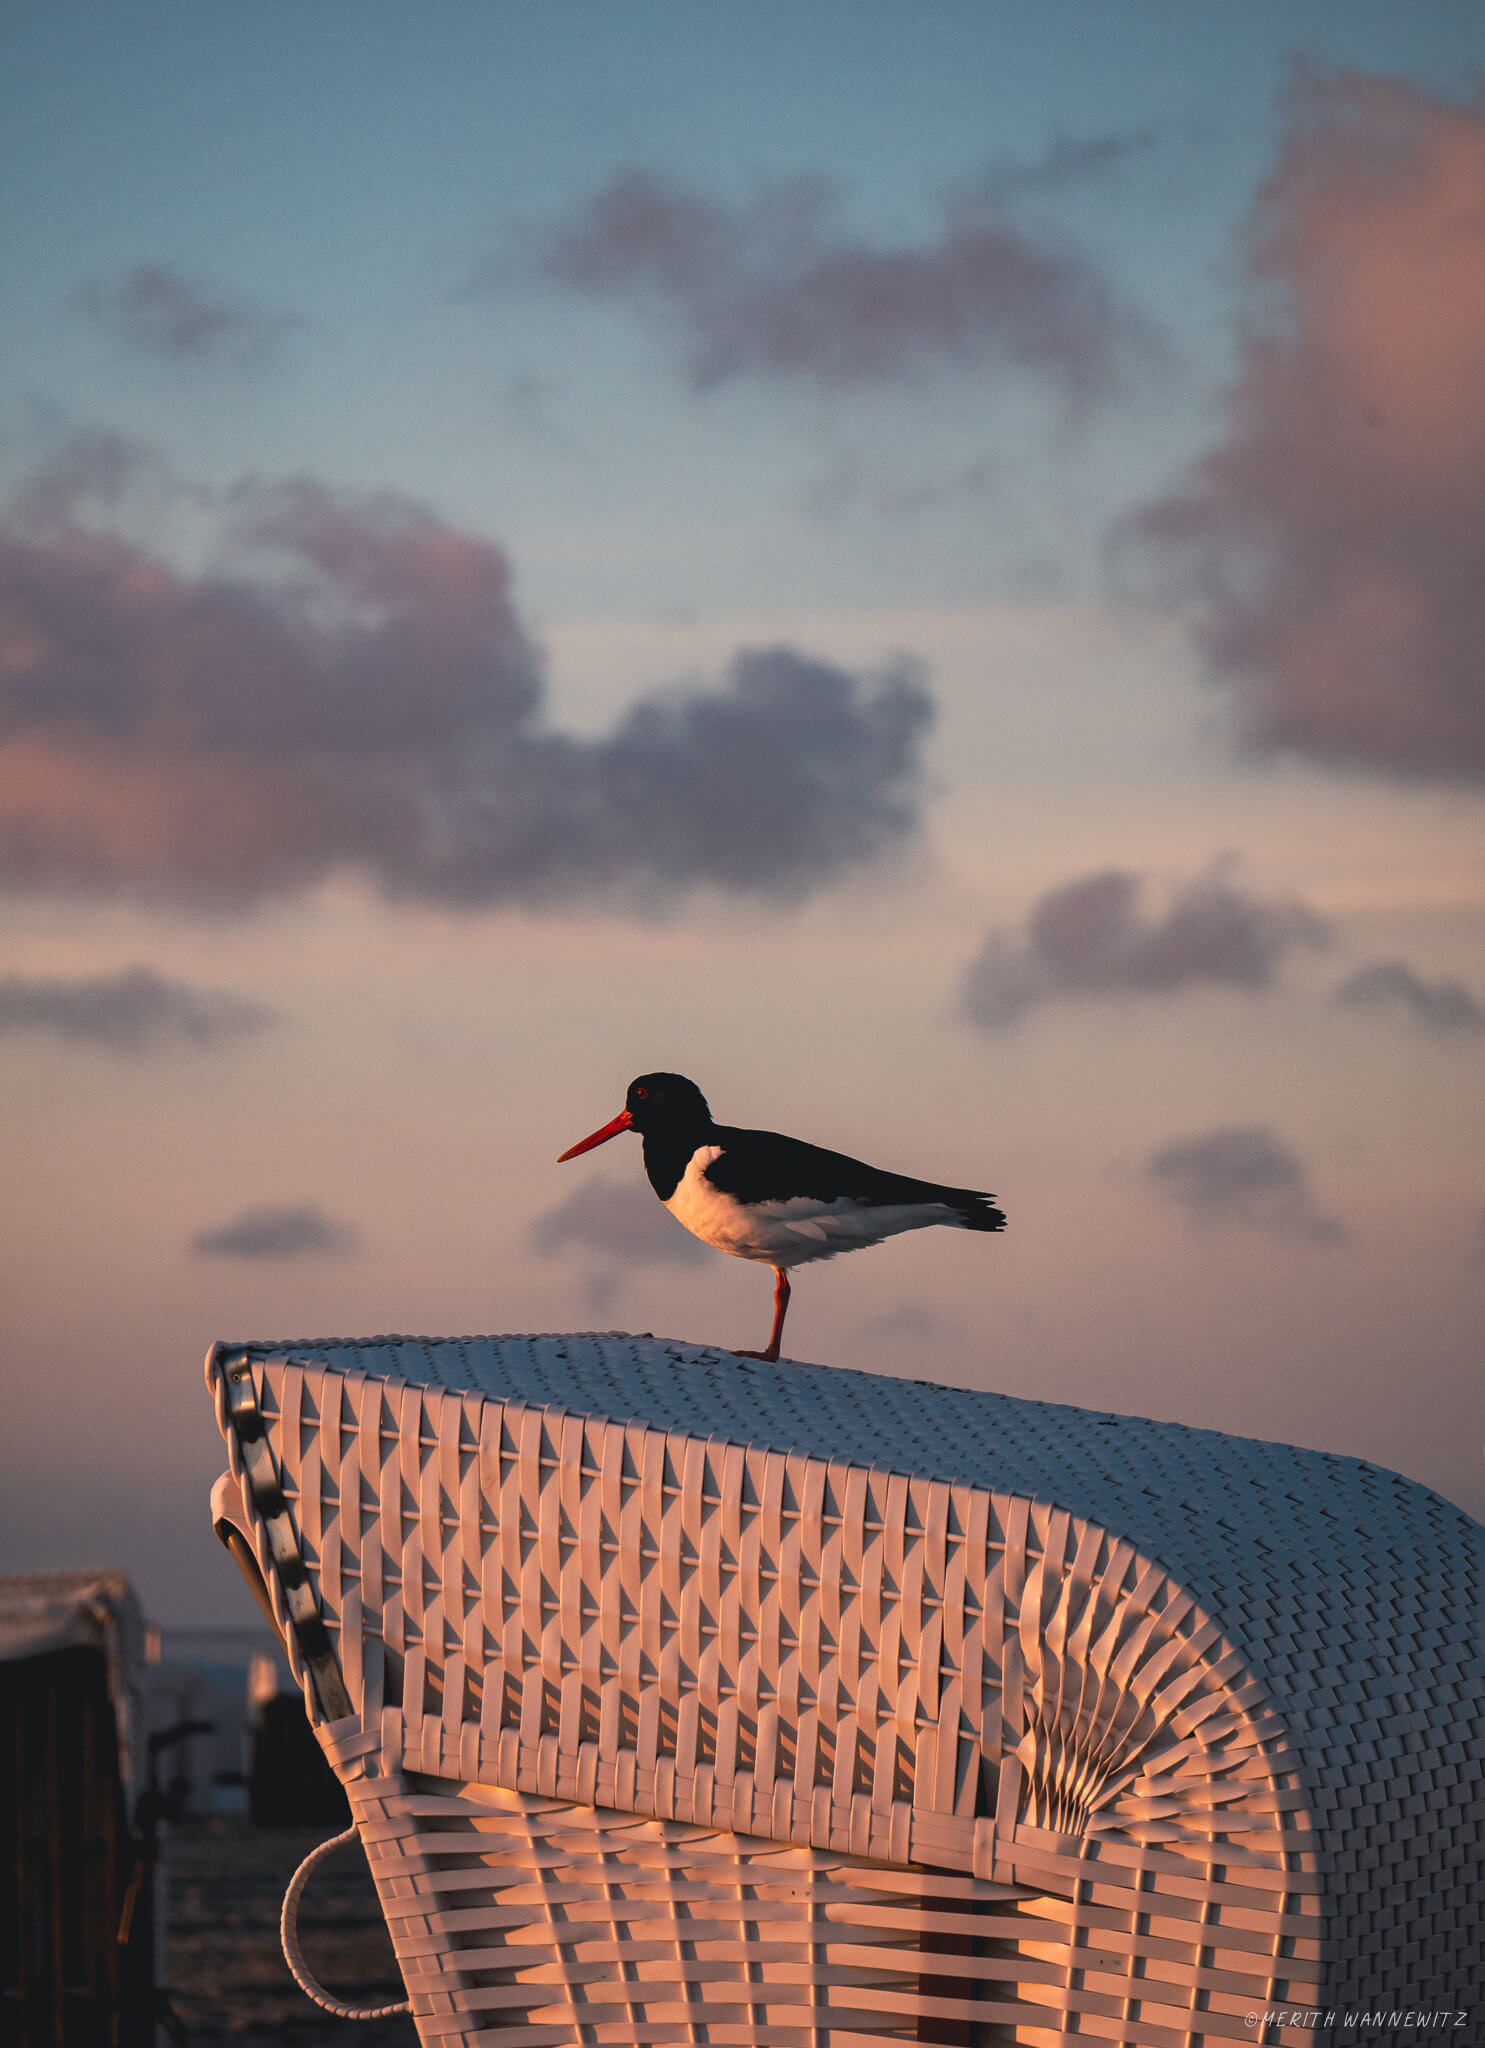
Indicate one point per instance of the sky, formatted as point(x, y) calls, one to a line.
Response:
point(922, 565)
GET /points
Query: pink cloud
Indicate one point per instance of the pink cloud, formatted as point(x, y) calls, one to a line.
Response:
point(1332, 543)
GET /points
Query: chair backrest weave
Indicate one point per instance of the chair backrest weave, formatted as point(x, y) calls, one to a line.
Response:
point(629, 1614)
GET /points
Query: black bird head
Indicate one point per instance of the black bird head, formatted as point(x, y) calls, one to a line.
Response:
point(666, 1101)
point(655, 1104)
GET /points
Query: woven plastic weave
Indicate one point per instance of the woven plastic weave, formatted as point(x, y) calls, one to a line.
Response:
point(683, 1698)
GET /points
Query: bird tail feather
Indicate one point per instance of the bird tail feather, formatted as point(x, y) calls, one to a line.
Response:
point(978, 1212)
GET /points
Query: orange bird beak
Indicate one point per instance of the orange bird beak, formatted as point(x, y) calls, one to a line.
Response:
point(622, 1122)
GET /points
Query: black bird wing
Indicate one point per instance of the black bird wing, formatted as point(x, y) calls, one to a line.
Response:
point(765, 1166)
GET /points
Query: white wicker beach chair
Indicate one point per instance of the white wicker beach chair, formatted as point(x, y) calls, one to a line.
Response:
point(682, 1698)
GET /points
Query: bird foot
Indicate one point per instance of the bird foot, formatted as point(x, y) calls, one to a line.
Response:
point(769, 1357)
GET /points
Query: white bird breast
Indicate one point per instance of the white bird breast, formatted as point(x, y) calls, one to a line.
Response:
point(791, 1232)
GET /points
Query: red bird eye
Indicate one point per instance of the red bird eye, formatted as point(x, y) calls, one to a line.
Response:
point(640, 1094)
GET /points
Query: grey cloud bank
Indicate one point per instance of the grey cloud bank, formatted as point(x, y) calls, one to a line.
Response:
point(1446, 1006)
point(1090, 938)
point(136, 1011)
point(777, 287)
point(292, 1232)
point(154, 311)
point(1243, 1175)
point(356, 691)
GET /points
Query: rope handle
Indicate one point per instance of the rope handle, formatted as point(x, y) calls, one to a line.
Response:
point(294, 1955)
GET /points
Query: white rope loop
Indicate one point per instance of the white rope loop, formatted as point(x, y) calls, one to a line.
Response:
point(294, 1955)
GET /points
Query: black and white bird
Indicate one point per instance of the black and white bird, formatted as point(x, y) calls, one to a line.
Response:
point(761, 1196)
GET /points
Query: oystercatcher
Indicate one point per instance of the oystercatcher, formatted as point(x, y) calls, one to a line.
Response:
point(761, 1196)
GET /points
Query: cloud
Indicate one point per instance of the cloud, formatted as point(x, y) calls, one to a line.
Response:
point(303, 1232)
point(1242, 1175)
point(1088, 938)
point(778, 287)
point(350, 687)
point(1331, 546)
point(1067, 161)
point(154, 311)
point(616, 1221)
point(1447, 1007)
point(135, 1011)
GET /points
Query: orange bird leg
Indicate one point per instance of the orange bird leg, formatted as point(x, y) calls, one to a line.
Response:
point(780, 1310)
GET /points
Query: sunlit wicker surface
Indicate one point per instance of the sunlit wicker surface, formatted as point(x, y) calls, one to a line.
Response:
point(696, 1699)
